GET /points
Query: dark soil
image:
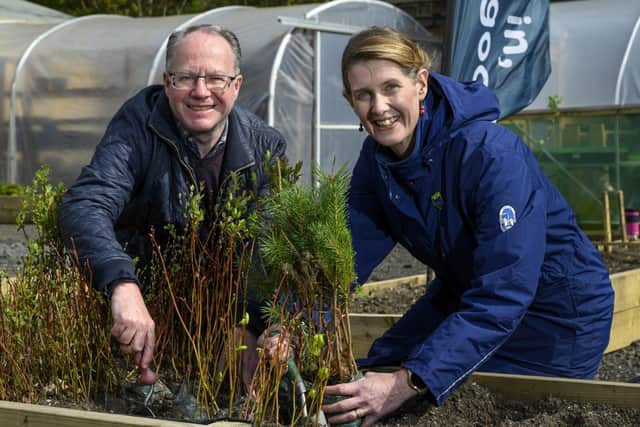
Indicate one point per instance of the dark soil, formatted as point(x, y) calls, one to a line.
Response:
point(473, 404)
point(400, 264)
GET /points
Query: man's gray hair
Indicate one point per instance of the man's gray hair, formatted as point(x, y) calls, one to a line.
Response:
point(228, 35)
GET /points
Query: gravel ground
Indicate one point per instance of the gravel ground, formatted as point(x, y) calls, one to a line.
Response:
point(13, 247)
point(399, 263)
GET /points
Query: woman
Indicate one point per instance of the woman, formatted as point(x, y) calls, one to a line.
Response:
point(519, 288)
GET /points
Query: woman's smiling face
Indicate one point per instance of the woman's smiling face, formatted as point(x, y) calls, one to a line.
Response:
point(387, 101)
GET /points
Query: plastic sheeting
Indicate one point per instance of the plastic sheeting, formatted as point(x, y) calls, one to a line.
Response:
point(21, 23)
point(260, 36)
point(337, 141)
point(71, 82)
point(595, 55)
point(74, 79)
point(23, 11)
point(15, 37)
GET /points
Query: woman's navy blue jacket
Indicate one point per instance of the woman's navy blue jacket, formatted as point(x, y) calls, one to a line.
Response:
point(519, 288)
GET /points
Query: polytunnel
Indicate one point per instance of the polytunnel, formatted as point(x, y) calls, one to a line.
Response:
point(74, 78)
point(19, 11)
point(587, 139)
point(68, 84)
point(595, 55)
point(21, 22)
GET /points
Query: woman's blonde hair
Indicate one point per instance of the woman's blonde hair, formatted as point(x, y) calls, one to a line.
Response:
point(383, 43)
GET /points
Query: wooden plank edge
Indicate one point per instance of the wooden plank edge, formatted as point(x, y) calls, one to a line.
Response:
point(371, 288)
point(529, 387)
point(625, 327)
point(30, 415)
point(634, 272)
point(365, 328)
point(421, 279)
point(4, 285)
point(604, 243)
point(626, 286)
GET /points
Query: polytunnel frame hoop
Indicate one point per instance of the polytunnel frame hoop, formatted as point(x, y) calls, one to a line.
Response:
point(286, 39)
point(317, 27)
point(324, 27)
point(12, 147)
point(625, 60)
point(332, 4)
point(317, 124)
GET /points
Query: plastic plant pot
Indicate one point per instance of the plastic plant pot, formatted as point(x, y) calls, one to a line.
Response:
point(632, 217)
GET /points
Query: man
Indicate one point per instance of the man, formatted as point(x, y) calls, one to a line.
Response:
point(164, 140)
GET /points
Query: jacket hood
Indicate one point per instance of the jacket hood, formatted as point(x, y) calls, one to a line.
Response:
point(465, 102)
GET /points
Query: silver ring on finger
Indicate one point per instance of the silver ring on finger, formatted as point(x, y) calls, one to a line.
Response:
point(355, 411)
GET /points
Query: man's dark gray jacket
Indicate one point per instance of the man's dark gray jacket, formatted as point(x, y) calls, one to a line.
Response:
point(139, 177)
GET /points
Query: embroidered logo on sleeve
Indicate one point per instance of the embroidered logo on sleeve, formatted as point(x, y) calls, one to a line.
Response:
point(507, 217)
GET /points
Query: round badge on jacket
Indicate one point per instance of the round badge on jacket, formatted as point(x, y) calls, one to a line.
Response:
point(507, 217)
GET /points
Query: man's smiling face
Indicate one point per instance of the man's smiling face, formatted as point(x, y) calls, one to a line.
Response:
point(201, 111)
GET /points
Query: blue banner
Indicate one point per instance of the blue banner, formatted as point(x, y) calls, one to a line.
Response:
point(505, 45)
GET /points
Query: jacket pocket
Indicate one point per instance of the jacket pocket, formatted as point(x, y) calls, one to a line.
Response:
point(547, 333)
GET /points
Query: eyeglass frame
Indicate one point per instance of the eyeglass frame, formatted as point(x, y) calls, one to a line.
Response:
point(196, 77)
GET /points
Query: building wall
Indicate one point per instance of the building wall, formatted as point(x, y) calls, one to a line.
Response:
point(430, 13)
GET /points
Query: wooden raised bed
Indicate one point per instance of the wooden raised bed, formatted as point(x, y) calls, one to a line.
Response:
point(625, 329)
point(365, 328)
point(529, 387)
point(9, 208)
point(626, 311)
point(26, 415)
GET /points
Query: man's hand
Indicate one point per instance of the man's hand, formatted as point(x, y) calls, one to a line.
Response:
point(133, 327)
point(369, 398)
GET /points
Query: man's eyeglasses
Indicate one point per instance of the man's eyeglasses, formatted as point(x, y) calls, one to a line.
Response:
point(214, 82)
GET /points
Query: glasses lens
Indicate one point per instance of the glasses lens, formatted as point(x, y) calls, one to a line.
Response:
point(217, 82)
point(182, 81)
point(214, 82)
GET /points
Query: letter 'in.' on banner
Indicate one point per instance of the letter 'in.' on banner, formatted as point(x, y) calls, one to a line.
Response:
point(505, 45)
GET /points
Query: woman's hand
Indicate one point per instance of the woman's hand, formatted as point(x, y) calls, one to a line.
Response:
point(369, 398)
point(249, 359)
point(275, 342)
point(275, 345)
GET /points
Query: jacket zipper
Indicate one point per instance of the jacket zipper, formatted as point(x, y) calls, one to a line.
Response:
point(188, 168)
point(175, 149)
